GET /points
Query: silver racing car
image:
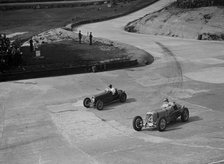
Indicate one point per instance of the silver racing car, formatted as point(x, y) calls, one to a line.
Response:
point(160, 118)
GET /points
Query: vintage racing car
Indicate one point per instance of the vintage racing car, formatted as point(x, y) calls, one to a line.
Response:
point(161, 117)
point(103, 98)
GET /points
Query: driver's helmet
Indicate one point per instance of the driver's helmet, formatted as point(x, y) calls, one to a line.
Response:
point(110, 86)
point(166, 100)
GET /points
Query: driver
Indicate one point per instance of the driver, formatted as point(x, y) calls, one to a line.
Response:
point(167, 104)
point(111, 89)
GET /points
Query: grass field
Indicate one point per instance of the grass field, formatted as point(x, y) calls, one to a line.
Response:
point(71, 51)
point(35, 21)
point(21, 1)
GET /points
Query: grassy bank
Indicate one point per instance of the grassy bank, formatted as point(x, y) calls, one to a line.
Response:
point(71, 51)
point(68, 57)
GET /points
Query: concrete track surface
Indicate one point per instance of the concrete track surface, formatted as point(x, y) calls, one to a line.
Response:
point(43, 120)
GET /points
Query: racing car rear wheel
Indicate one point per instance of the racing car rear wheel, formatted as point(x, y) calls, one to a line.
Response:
point(185, 115)
point(123, 97)
point(99, 105)
point(137, 123)
point(87, 102)
point(161, 124)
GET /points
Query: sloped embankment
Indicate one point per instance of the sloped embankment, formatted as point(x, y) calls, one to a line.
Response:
point(203, 23)
point(60, 34)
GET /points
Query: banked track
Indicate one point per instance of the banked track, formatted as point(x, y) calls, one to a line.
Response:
point(181, 60)
point(113, 30)
point(175, 51)
point(44, 121)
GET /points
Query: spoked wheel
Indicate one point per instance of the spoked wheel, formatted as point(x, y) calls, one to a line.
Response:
point(137, 123)
point(123, 97)
point(185, 115)
point(86, 102)
point(99, 105)
point(162, 124)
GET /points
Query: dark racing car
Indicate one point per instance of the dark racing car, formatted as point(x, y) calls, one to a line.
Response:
point(104, 98)
point(160, 118)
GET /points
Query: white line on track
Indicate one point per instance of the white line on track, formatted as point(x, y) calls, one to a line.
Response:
point(198, 146)
point(217, 162)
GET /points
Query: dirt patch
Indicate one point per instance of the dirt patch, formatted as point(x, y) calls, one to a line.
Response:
point(199, 23)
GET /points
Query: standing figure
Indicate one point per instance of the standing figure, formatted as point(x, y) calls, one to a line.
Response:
point(31, 45)
point(90, 38)
point(80, 37)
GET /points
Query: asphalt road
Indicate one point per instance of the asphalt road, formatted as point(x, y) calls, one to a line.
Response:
point(43, 120)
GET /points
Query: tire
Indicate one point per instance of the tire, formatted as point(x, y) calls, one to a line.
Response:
point(185, 115)
point(86, 102)
point(99, 105)
point(123, 97)
point(162, 123)
point(137, 123)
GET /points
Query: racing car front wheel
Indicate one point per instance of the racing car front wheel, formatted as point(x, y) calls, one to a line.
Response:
point(161, 124)
point(137, 123)
point(123, 97)
point(87, 102)
point(185, 115)
point(99, 105)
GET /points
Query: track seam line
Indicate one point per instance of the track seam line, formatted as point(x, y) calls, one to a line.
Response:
point(217, 162)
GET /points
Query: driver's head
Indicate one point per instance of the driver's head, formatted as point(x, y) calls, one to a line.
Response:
point(110, 86)
point(166, 100)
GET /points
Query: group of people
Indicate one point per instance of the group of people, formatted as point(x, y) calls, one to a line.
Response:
point(89, 35)
point(10, 54)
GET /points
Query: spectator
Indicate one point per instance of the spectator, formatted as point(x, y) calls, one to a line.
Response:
point(9, 54)
point(31, 45)
point(90, 38)
point(7, 42)
point(80, 37)
point(4, 36)
point(2, 64)
point(35, 45)
point(1, 40)
point(18, 57)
